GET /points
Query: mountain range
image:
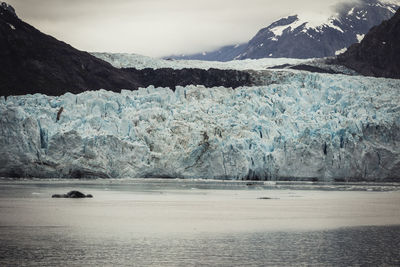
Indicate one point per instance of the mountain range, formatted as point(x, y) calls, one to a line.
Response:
point(33, 62)
point(297, 36)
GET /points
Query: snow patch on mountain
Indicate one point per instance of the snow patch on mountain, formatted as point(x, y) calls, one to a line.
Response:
point(332, 25)
point(305, 23)
point(391, 5)
point(360, 37)
point(341, 51)
point(11, 26)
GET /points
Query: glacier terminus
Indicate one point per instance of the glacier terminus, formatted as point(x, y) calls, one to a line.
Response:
point(299, 125)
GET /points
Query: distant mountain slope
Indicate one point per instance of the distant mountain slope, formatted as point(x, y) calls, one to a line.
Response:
point(226, 53)
point(379, 53)
point(299, 37)
point(34, 62)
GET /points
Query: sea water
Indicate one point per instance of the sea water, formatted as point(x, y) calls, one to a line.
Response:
point(156, 222)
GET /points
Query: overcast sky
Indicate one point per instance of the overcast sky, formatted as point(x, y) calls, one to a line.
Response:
point(160, 27)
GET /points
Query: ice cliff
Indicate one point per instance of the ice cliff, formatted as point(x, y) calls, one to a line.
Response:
point(302, 125)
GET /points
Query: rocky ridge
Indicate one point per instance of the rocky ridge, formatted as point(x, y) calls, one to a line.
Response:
point(378, 54)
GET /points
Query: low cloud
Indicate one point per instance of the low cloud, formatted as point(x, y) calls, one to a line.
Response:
point(160, 27)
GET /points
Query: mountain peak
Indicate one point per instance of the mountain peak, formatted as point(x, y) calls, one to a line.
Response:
point(310, 35)
point(378, 53)
point(6, 7)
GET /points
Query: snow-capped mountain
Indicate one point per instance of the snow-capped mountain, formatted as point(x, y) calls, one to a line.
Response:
point(378, 54)
point(300, 36)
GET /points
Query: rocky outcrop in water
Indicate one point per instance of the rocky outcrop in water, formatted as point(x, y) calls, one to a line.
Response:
point(72, 194)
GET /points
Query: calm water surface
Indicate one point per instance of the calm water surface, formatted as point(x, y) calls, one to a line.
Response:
point(199, 223)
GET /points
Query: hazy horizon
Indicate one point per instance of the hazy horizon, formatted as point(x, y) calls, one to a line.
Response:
point(160, 27)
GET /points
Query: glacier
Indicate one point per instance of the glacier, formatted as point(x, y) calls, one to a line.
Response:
point(125, 60)
point(298, 125)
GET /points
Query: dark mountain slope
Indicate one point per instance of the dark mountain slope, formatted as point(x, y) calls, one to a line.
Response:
point(167, 77)
point(35, 62)
point(379, 52)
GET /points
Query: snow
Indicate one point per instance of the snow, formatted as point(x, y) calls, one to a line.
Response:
point(340, 51)
point(318, 22)
point(121, 60)
point(11, 26)
point(298, 125)
point(332, 25)
point(390, 2)
point(278, 30)
point(390, 5)
point(360, 37)
point(315, 22)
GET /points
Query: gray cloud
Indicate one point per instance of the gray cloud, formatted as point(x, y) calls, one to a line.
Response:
point(160, 27)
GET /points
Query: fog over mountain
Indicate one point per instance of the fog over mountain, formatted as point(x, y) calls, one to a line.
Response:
point(161, 27)
point(307, 36)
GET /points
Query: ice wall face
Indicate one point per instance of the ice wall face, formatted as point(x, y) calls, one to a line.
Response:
point(303, 125)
